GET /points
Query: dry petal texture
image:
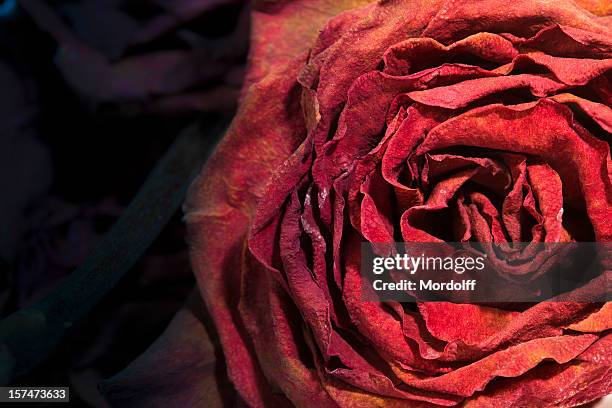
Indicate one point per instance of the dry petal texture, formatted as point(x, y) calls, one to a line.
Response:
point(420, 121)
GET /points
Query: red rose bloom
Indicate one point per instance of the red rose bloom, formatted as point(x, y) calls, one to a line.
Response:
point(416, 121)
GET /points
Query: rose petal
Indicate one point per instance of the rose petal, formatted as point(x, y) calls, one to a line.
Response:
point(543, 127)
point(600, 113)
point(512, 362)
point(282, 30)
point(221, 202)
point(566, 41)
point(461, 94)
point(181, 367)
point(597, 7)
point(599, 321)
point(524, 18)
point(546, 385)
point(547, 188)
point(416, 54)
point(477, 323)
point(493, 328)
point(570, 71)
point(351, 45)
point(273, 324)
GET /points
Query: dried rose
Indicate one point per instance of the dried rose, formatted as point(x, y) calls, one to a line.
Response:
point(415, 121)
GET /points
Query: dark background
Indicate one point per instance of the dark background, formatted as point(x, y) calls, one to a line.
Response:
point(80, 129)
